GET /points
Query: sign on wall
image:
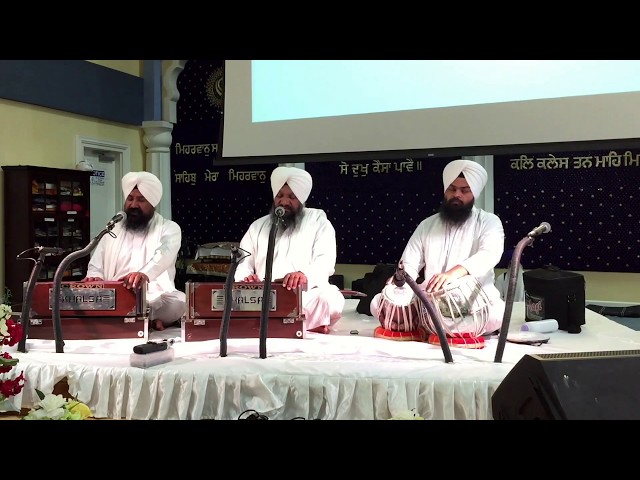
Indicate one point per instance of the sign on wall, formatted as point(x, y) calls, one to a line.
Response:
point(376, 205)
point(590, 199)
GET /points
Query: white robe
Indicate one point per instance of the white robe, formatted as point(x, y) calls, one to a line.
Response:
point(153, 252)
point(310, 249)
point(477, 245)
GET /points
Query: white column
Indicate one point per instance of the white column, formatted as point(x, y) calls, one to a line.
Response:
point(157, 139)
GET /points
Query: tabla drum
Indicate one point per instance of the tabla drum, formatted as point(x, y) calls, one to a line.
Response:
point(462, 308)
point(400, 315)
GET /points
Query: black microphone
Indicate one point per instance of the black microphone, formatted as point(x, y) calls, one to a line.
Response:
point(398, 277)
point(118, 217)
point(279, 212)
point(543, 228)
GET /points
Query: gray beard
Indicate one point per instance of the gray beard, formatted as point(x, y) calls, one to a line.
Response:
point(290, 220)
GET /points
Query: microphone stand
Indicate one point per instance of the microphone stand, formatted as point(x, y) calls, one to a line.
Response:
point(266, 295)
point(57, 283)
point(228, 301)
point(28, 294)
point(401, 275)
point(511, 293)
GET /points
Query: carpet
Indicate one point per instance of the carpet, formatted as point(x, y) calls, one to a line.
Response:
point(630, 322)
point(629, 316)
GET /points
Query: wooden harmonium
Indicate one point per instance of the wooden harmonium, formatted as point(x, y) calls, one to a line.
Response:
point(90, 311)
point(205, 311)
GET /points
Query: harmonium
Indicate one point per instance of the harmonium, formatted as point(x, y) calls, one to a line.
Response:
point(89, 311)
point(206, 310)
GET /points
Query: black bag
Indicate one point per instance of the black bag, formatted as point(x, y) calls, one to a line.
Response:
point(372, 284)
point(553, 293)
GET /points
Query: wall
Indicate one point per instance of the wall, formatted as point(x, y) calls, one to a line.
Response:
point(40, 136)
point(132, 67)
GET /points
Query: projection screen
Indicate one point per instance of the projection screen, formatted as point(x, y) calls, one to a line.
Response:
point(306, 110)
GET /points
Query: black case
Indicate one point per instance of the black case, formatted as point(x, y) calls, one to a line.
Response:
point(373, 283)
point(550, 292)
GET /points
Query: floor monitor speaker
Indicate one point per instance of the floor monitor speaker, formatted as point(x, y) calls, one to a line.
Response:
point(571, 386)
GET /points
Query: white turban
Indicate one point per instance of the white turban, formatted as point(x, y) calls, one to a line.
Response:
point(298, 180)
point(473, 172)
point(148, 184)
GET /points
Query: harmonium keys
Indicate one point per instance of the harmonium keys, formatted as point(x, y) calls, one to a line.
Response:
point(90, 311)
point(206, 305)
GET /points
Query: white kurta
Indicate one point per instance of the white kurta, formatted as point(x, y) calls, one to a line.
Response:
point(310, 249)
point(153, 252)
point(477, 245)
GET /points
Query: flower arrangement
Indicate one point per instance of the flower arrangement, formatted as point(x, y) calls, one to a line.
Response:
point(10, 334)
point(57, 407)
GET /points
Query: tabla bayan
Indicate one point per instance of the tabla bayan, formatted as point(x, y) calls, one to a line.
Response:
point(550, 292)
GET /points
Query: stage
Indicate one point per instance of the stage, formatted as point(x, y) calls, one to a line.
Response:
point(346, 374)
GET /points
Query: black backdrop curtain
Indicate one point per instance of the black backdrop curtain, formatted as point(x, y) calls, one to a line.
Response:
point(590, 199)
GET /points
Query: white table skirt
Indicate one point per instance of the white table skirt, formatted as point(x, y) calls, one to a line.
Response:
point(334, 376)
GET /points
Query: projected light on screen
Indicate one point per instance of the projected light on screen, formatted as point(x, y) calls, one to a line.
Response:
point(281, 108)
point(295, 89)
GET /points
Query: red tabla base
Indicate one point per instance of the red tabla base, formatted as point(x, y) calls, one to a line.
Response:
point(464, 340)
point(414, 335)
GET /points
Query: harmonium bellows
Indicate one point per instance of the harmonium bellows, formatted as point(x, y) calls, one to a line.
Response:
point(90, 311)
point(206, 309)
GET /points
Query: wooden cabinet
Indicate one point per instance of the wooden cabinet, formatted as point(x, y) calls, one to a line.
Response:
point(46, 207)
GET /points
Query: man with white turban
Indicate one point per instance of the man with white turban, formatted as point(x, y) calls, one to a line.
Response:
point(304, 250)
point(461, 241)
point(144, 250)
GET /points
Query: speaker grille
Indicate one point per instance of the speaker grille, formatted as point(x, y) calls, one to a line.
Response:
point(581, 355)
point(571, 386)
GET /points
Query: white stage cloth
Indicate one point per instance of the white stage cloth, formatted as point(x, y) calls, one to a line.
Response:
point(340, 375)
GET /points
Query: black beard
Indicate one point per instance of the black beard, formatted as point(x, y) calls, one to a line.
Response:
point(136, 220)
point(455, 214)
point(290, 219)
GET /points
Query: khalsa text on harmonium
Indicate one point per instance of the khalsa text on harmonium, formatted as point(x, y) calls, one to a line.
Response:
point(99, 299)
point(206, 308)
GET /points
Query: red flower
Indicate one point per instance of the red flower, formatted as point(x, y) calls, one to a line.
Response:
point(15, 333)
point(5, 368)
point(9, 388)
point(12, 333)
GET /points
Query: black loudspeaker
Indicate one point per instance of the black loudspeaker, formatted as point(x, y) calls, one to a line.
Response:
point(571, 386)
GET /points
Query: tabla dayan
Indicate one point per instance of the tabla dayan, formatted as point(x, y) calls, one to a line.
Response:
point(400, 315)
point(462, 307)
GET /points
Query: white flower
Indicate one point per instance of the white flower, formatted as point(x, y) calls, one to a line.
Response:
point(56, 407)
point(42, 414)
point(51, 402)
point(5, 311)
point(51, 406)
point(5, 314)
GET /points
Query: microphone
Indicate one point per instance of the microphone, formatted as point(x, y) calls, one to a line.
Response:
point(279, 212)
point(398, 277)
point(544, 227)
point(118, 217)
